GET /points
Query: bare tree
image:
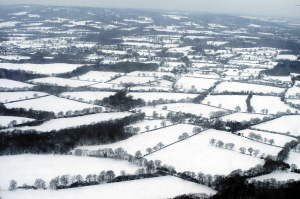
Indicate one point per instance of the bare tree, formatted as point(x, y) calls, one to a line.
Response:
point(13, 185)
point(242, 150)
point(40, 184)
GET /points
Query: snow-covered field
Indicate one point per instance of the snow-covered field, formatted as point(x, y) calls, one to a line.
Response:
point(150, 139)
point(149, 74)
point(13, 96)
point(98, 76)
point(7, 83)
point(114, 86)
point(273, 104)
point(196, 109)
point(151, 188)
point(279, 176)
point(292, 92)
point(150, 123)
point(41, 68)
point(131, 79)
point(197, 154)
point(60, 82)
point(199, 83)
point(150, 88)
point(294, 158)
point(282, 125)
point(63, 123)
point(227, 101)
point(239, 87)
point(4, 120)
point(287, 79)
point(50, 103)
point(280, 140)
point(157, 95)
point(86, 95)
point(239, 117)
point(149, 111)
point(28, 168)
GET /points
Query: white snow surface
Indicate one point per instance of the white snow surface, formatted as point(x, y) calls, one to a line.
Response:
point(279, 176)
point(282, 125)
point(238, 87)
point(27, 168)
point(50, 103)
point(7, 83)
point(98, 76)
point(280, 140)
point(151, 188)
point(227, 101)
point(157, 95)
point(273, 104)
point(196, 109)
point(4, 120)
point(88, 95)
point(13, 96)
point(239, 117)
point(60, 81)
point(199, 83)
point(196, 154)
point(145, 140)
point(41, 68)
point(62, 123)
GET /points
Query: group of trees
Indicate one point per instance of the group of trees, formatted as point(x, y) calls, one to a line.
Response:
point(221, 144)
point(62, 141)
point(157, 147)
point(259, 138)
point(251, 150)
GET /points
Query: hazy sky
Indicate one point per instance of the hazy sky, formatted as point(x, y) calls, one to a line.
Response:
point(246, 7)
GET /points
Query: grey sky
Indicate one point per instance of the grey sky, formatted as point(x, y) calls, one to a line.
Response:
point(286, 8)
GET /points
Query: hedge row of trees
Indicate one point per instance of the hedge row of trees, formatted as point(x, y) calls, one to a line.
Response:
point(62, 141)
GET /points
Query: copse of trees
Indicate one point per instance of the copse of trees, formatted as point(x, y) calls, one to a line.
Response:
point(122, 102)
point(62, 141)
point(19, 75)
point(121, 67)
point(22, 112)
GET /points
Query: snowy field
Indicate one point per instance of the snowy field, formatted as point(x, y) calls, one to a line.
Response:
point(131, 79)
point(195, 109)
point(4, 120)
point(273, 104)
point(114, 86)
point(150, 123)
point(149, 111)
point(13, 96)
point(227, 101)
point(239, 117)
point(41, 68)
point(292, 92)
point(7, 83)
point(157, 95)
point(279, 176)
point(50, 103)
point(62, 123)
point(280, 140)
point(200, 75)
point(149, 74)
point(199, 83)
point(145, 140)
point(282, 125)
point(150, 88)
point(60, 82)
point(31, 167)
point(98, 76)
point(151, 188)
point(197, 154)
point(287, 79)
point(239, 87)
point(294, 158)
point(86, 95)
